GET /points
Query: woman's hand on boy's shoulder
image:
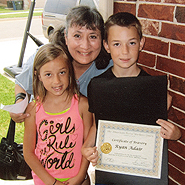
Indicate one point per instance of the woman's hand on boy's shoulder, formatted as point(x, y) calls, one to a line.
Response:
point(169, 130)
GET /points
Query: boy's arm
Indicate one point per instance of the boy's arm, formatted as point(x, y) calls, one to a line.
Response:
point(29, 147)
point(169, 100)
point(169, 130)
point(88, 149)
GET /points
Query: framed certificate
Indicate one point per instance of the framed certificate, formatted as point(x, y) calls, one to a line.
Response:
point(126, 148)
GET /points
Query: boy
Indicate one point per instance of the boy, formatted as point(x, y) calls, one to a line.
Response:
point(124, 41)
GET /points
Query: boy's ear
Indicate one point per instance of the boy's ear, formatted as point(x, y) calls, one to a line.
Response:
point(105, 44)
point(142, 42)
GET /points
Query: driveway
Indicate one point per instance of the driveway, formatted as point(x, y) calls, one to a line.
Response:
point(11, 38)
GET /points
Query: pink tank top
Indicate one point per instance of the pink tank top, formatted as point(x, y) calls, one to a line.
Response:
point(60, 138)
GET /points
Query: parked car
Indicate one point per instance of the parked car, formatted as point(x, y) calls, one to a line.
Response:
point(55, 12)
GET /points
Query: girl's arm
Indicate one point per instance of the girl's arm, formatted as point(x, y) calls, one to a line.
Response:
point(89, 150)
point(29, 147)
point(87, 122)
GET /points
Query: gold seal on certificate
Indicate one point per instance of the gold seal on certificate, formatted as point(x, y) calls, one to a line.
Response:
point(106, 148)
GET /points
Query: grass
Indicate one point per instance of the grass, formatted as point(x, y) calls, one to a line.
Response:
point(6, 98)
point(17, 13)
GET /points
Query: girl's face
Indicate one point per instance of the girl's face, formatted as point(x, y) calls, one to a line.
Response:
point(55, 76)
point(83, 44)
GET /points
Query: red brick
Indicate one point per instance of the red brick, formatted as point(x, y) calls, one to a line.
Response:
point(171, 182)
point(156, 46)
point(173, 31)
point(150, 27)
point(124, 7)
point(177, 147)
point(182, 138)
point(176, 161)
point(176, 175)
point(174, 1)
point(177, 51)
point(178, 100)
point(171, 66)
point(176, 116)
point(177, 84)
point(180, 14)
point(150, 71)
point(147, 59)
point(159, 12)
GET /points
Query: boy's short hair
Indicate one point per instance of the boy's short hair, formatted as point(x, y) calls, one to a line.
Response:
point(123, 19)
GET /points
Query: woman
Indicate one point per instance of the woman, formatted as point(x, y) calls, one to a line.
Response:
point(83, 38)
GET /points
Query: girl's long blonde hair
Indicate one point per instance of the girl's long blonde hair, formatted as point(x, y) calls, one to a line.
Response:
point(46, 54)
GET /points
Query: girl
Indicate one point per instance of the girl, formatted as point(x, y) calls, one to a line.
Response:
point(59, 121)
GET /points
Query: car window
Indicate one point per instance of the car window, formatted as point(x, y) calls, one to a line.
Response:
point(88, 3)
point(64, 6)
point(50, 6)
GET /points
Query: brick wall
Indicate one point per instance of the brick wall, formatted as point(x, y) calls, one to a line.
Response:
point(3, 2)
point(163, 24)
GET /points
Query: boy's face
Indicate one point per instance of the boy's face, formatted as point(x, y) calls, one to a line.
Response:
point(124, 45)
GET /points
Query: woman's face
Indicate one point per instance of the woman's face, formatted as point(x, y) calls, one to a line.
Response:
point(83, 44)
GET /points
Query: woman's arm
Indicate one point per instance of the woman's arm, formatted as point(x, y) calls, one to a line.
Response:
point(19, 118)
point(23, 84)
point(29, 147)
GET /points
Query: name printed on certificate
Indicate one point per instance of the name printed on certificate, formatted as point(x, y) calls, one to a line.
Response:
point(127, 148)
